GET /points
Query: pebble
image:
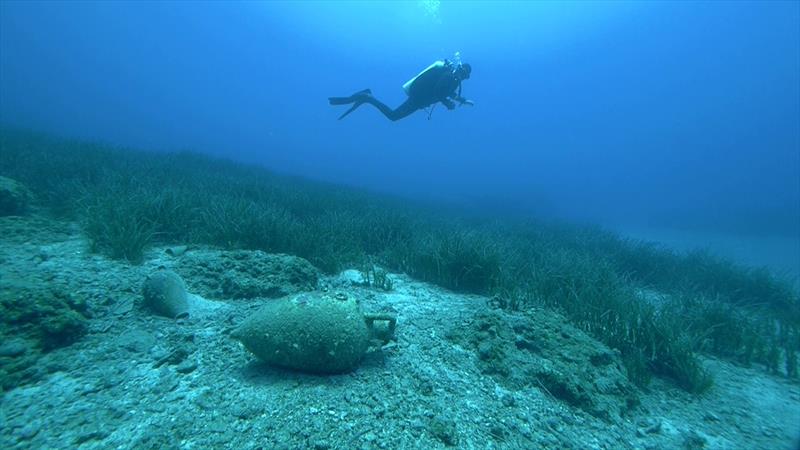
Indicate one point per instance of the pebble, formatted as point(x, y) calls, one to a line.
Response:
point(508, 400)
point(187, 366)
point(138, 341)
point(649, 426)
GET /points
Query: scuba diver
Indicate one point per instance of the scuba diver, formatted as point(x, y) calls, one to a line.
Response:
point(439, 82)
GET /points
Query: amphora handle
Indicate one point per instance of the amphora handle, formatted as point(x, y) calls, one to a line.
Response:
point(371, 318)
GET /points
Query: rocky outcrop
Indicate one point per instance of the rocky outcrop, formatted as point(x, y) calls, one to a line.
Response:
point(15, 198)
point(245, 274)
point(540, 349)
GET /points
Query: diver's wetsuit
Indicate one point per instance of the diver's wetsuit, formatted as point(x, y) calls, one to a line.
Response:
point(439, 84)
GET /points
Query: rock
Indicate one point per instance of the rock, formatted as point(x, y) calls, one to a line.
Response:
point(508, 400)
point(137, 341)
point(174, 357)
point(177, 250)
point(565, 362)
point(652, 426)
point(246, 274)
point(187, 366)
point(15, 198)
point(694, 440)
point(444, 429)
point(352, 277)
point(45, 314)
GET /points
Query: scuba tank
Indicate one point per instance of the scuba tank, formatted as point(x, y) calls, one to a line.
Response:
point(449, 65)
point(452, 65)
point(407, 84)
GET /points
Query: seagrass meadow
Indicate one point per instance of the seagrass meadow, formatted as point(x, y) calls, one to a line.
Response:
point(399, 225)
point(661, 310)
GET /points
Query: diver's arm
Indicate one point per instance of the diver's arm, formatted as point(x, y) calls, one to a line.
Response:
point(444, 97)
point(443, 88)
point(448, 92)
point(461, 100)
point(448, 101)
point(464, 101)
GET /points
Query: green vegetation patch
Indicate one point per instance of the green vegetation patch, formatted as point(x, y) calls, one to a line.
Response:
point(15, 198)
point(35, 318)
point(128, 201)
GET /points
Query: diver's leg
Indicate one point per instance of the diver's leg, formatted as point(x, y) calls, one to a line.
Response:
point(404, 110)
point(347, 100)
point(365, 96)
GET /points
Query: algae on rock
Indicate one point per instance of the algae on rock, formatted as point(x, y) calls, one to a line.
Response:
point(15, 198)
point(37, 318)
point(245, 274)
point(540, 349)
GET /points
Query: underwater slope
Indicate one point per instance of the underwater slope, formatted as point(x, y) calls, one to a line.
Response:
point(781, 254)
point(462, 372)
point(659, 315)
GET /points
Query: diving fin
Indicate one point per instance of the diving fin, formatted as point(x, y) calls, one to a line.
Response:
point(352, 108)
point(347, 100)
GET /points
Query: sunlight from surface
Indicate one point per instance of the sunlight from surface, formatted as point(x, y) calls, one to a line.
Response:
point(486, 27)
point(431, 9)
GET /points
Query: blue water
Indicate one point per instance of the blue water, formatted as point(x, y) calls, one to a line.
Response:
point(636, 115)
